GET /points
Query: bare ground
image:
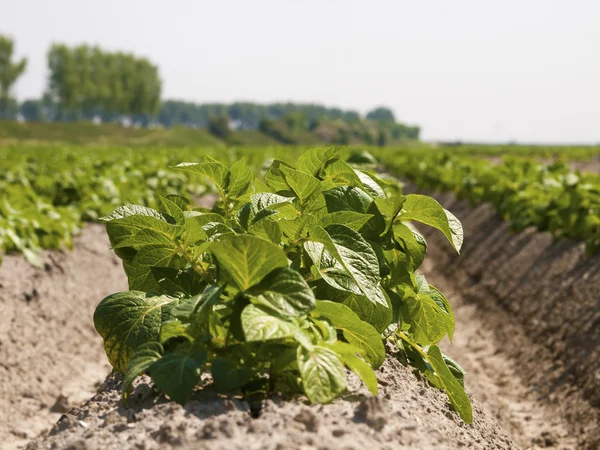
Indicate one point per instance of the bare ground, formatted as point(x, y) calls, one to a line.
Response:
point(50, 355)
point(538, 305)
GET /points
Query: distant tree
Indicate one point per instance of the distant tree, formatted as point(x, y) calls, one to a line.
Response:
point(9, 73)
point(381, 114)
point(351, 116)
point(32, 110)
point(295, 121)
point(219, 126)
point(381, 138)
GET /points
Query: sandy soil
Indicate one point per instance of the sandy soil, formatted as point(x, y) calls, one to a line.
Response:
point(407, 414)
point(50, 355)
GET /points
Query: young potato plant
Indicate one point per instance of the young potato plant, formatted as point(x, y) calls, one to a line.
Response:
point(289, 279)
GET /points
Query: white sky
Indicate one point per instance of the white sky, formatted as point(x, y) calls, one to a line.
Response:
point(524, 70)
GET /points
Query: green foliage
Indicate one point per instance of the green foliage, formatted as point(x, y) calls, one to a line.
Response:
point(219, 126)
point(9, 73)
point(523, 191)
point(86, 81)
point(267, 287)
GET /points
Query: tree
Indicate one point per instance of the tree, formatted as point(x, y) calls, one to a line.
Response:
point(219, 126)
point(32, 110)
point(9, 72)
point(381, 114)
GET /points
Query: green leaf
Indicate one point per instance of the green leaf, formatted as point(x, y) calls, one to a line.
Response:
point(376, 314)
point(303, 185)
point(370, 184)
point(203, 310)
point(426, 210)
point(227, 375)
point(173, 281)
point(322, 372)
point(275, 178)
point(240, 179)
point(173, 210)
point(413, 244)
point(348, 198)
point(140, 362)
point(177, 373)
point(133, 210)
point(351, 219)
point(173, 329)
point(452, 386)
point(312, 161)
point(390, 208)
point(284, 291)
point(366, 373)
point(261, 325)
point(245, 260)
point(127, 320)
point(346, 261)
point(356, 331)
point(429, 320)
point(181, 202)
point(211, 169)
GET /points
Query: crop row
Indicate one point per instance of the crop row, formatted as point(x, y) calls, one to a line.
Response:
point(523, 191)
point(47, 193)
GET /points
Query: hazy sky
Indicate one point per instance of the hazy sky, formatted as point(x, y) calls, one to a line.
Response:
point(524, 70)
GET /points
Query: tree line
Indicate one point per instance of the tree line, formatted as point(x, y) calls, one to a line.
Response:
point(87, 83)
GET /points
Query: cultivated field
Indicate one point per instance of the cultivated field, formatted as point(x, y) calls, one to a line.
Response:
point(273, 297)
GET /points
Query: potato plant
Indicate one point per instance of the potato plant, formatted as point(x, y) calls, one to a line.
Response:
point(288, 280)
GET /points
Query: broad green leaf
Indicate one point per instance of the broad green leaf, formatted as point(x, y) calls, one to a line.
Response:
point(203, 310)
point(390, 208)
point(245, 260)
point(240, 179)
point(173, 281)
point(285, 291)
point(428, 320)
point(145, 238)
point(340, 173)
point(322, 372)
point(177, 373)
point(356, 331)
point(261, 325)
point(172, 210)
point(229, 376)
point(181, 202)
point(267, 229)
point(351, 219)
point(376, 314)
point(348, 198)
point(127, 320)
point(452, 386)
point(312, 161)
point(444, 305)
point(426, 210)
point(346, 261)
point(173, 329)
point(366, 373)
point(275, 178)
point(303, 185)
point(139, 271)
point(140, 362)
point(133, 210)
point(413, 244)
point(211, 169)
point(370, 184)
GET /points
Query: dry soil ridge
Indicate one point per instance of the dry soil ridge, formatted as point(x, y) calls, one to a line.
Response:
point(539, 299)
